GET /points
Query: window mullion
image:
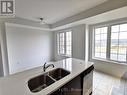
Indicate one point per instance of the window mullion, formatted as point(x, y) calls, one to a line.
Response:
point(59, 42)
point(108, 42)
point(100, 42)
point(65, 43)
point(118, 44)
point(93, 35)
point(126, 55)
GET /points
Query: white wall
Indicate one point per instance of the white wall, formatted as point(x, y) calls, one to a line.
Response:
point(28, 48)
point(4, 67)
point(78, 42)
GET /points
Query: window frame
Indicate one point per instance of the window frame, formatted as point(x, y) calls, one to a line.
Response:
point(108, 47)
point(58, 49)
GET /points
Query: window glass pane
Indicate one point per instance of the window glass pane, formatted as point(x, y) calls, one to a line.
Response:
point(97, 43)
point(68, 43)
point(103, 36)
point(114, 35)
point(122, 50)
point(121, 57)
point(114, 42)
point(103, 55)
point(104, 30)
point(103, 49)
point(97, 49)
point(123, 35)
point(100, 42)
point(123, 27)
point(61, 43)
point(113, 56)
point(119, 43)
point(97, 37)
point(97, 55)
point(115, 28)
point(103, 42)
point(97, 31)
point(114, 49)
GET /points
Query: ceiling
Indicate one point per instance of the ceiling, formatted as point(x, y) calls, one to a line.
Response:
point(52, 10)
point(120, 15)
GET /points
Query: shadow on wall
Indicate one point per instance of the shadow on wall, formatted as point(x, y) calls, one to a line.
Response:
point(1, 65)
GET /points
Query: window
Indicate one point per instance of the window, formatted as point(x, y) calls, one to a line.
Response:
point(64, 43)
point(68, 43)
point(100, 42)
point(118, 42)
point(110, 42)
point(62, 49)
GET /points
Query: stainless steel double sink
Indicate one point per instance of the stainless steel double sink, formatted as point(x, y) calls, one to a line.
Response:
point(40, 82)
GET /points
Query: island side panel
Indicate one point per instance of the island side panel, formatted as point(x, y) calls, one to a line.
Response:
point(80, 85)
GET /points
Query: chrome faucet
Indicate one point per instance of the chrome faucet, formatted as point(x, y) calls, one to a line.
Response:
point(45, 67)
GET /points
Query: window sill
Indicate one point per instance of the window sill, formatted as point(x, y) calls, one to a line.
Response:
point(109, 61)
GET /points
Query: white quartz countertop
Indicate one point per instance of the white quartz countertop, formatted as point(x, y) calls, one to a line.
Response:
point(17, 84)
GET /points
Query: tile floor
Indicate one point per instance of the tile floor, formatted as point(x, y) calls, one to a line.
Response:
point(104, 84)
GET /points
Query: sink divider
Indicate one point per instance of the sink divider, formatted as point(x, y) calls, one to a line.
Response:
point(51, 78)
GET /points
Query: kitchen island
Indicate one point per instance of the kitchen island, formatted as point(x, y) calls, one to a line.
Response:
point(17, 84)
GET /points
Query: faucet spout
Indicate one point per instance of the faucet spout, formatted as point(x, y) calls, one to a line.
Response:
point(45, 67)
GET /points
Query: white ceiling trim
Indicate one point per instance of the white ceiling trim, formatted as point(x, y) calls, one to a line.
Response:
point(27, 26)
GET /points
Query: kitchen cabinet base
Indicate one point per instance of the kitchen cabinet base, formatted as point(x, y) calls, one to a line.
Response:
point(79, 85)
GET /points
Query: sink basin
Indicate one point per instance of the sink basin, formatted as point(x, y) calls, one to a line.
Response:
point(40, 82)
point(58, 73)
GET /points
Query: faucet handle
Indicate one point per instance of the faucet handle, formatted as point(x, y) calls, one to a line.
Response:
point(44, 63)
